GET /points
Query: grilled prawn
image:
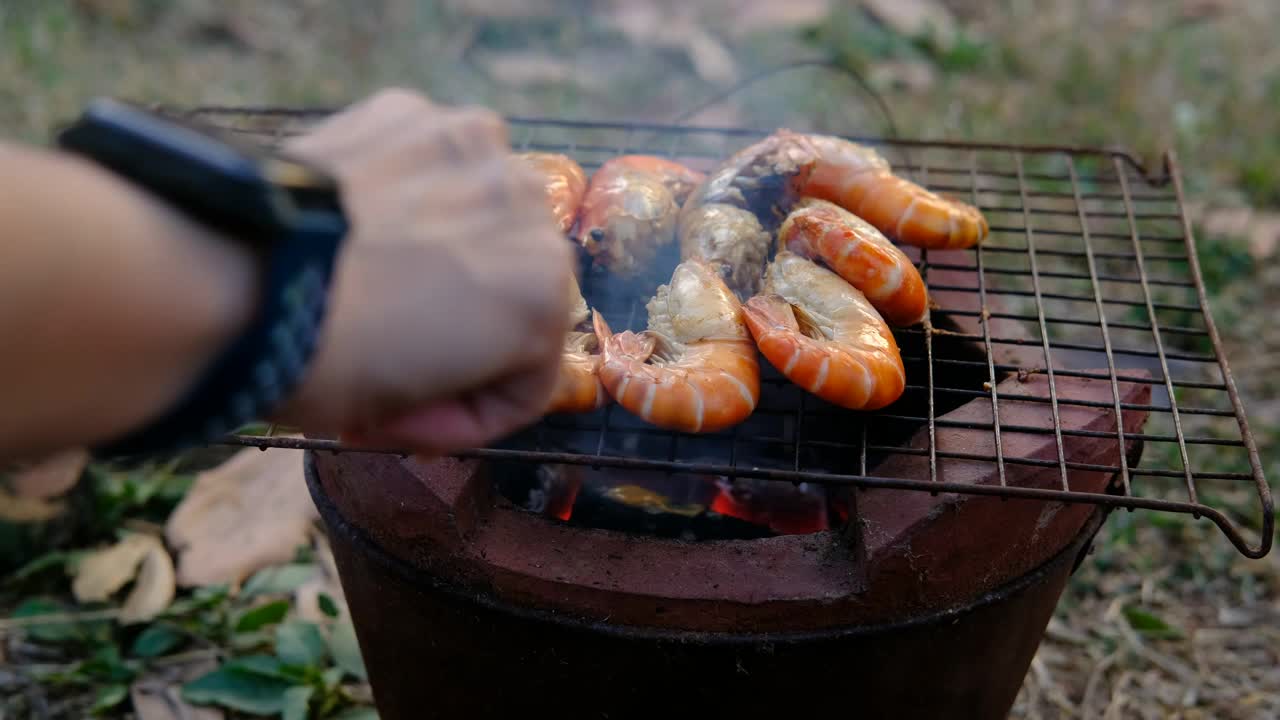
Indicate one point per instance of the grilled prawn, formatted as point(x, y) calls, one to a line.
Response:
point(680, 180)
point(824, 336)
point(858, 179)
point(857, 252)
point(695, 368)
point(563, 180)
point(578, 387)
point(764, 177)
point(629, 210)
point(730, 239)
point(724, 222)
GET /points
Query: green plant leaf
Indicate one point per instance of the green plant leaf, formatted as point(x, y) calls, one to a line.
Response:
point(57, 558)
point(109, 697)
point(1148, 624)
point(278, 580)
point(300, 643)
point(155, 641)
point(251, 640)
point(233, 687)
point(297, 701)
point(263, 615)
point(327, 605)
point(332, 677)
point(106, 664)
point(346, 649)
point(357, 713)
point(52, 632)
point(267, 666)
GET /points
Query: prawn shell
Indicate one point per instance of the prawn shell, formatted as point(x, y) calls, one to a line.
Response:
point(729, 238)
point(679, 179)
point(854, 362)
point(578, 388)
point(858, 179)
point(859, 253)
point(627, 215)
point(563, 181)
point(695, 370)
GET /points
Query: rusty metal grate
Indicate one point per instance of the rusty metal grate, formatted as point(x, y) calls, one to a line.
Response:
point(1089, 279)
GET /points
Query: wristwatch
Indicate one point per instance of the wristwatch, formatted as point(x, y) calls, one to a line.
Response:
point(288, 212)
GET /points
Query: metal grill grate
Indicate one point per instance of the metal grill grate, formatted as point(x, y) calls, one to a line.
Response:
point(1090, 275)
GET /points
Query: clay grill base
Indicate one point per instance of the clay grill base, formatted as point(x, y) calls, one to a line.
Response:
point(434, 649)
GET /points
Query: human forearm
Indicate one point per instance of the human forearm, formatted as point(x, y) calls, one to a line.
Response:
point(110, 302)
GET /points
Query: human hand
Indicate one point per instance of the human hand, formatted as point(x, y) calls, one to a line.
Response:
point(450, 299)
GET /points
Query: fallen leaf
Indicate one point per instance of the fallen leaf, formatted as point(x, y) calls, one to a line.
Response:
point(103, 572)
point(742, 17)
point(139, 557)
point(674, 27)
point(159, 696)
point(916, 18)
point(15, 509)
point(711, 59)
point(1227, 221)
point(50, 477)
point(251, 512)
point(153, 590)
point(519, 69)
point(1264, 235)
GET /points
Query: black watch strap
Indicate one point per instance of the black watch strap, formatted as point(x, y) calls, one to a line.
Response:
point(263, 365)
point(288, 212)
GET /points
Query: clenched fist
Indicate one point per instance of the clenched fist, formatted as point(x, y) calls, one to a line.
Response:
point(450, 301)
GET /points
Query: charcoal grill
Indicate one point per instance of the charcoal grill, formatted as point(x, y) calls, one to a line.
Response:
point(1069, 367)
point(1090, 249)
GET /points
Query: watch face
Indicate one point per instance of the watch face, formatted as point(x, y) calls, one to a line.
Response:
point(308, 187)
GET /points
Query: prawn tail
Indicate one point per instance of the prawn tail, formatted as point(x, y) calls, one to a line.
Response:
point(769, 314)
point(626, 345)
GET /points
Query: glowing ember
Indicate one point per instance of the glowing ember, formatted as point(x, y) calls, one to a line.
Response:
point(783, 508)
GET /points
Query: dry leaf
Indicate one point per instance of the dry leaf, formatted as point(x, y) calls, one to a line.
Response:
point(741, 17)
point(159, 696)
point(915, 18)
point(50, 477)
point(251, 512)
point(710, 59)
point(101, 574)
point(15, 509)
point(674, 27)
point(1264, 236)
point(525, 68)
point(153, 590)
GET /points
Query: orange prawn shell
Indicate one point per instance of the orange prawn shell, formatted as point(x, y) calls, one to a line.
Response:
point(679, 179)
point(564, 182)
point(857, 252)
point(713, 384)
point(858, 179)
point(627, 215)
point(858, 366)
point(578, 388)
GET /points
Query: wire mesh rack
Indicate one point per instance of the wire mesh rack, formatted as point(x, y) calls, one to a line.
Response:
point(1082, 322)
